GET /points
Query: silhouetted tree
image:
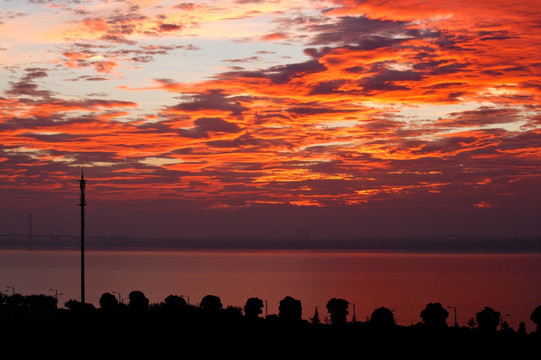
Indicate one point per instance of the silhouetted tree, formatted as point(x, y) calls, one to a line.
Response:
point(14, 300)
point(174, 303)
point(488, 319)
point(290, 309)
point(382, 318)
point(536, 318)
point(253, 307)
point(315, 319)
point(71, 304)
point(521, 328)
point(338, 309)
point(505, 326)
point(435, 316)
point(232, 314)
point(40, 303)
point(108, 303)
point(211, 304)
point(472, 323)
point(138, 302)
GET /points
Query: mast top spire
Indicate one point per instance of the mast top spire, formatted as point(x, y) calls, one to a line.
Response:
point(82, 185)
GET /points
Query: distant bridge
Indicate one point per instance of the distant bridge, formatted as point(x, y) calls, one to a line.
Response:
point(56, 241)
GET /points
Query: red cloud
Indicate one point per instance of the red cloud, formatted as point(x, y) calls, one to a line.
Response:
point(96, 24)
point(275, 37)
point(105, 66)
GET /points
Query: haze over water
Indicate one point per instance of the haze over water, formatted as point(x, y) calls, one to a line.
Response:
point(403, 282)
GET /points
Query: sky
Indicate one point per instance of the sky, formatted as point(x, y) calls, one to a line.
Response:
point(257, 118)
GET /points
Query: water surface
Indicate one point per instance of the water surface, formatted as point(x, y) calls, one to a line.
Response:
point(403, 282)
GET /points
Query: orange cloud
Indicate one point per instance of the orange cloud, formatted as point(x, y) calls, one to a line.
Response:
point(274, 37)
point(96, 24)
point(483, 205)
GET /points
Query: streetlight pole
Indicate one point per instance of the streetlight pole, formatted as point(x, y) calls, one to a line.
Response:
point(187, 297)
point(119, 298)
point(55, 295)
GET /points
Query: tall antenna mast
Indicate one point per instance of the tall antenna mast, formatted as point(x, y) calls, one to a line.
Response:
point(82, 204)
point(29, 231)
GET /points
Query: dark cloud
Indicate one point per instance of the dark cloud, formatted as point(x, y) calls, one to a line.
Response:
point(496, 35)
point(170, 27)
point(118, 39)
point(481, 117)
point(205, 125)
point(211, 100)
point(27, 86)
point(446, 85)
point(202, 127)
point(186, 6)
point(316, 108)
point(361, 31)
point(387, 80)
point(327, 87)
point(279, 74)
point(243, 141)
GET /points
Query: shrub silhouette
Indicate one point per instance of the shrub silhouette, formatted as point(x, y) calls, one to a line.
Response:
point(382, 318)
point(435, 316)
point(77, 306)
point(232, 314)
point(37, 304)
point(211, 304)
point(488, 319)
point(253, 307)
point(108, 303)
point(290, 309)
point(14, 300)
point(174, 303)
point(138, 302)
point(40, 303)
point(338, 309)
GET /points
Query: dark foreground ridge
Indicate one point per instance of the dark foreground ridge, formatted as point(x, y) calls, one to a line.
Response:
point(34, 325)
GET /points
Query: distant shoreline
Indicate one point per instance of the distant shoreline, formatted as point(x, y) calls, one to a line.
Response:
point(425, 245)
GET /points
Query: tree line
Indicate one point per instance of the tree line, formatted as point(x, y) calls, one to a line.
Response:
point(434, 315)
point(36, 323)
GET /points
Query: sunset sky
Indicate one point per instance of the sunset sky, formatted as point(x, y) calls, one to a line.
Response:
point(260, 117)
